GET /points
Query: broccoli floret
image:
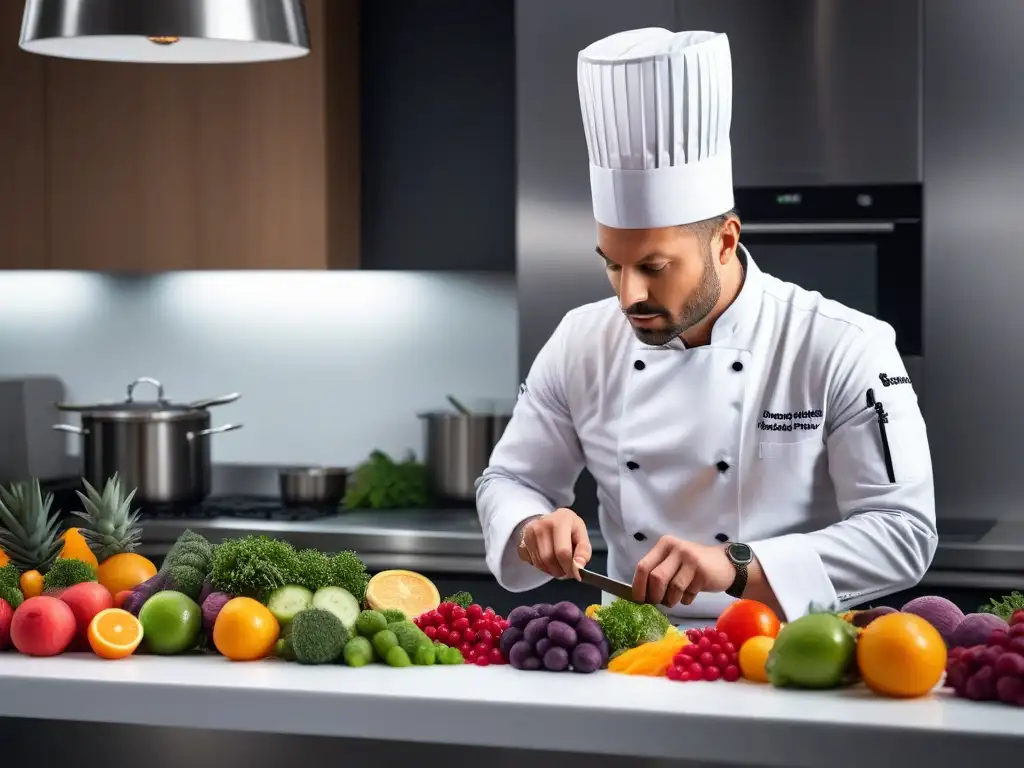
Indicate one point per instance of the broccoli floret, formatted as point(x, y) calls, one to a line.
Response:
point(192, 560)
point(313, 570)
point(410, 637)
point(187, 541)
point(185, 579)
point(317, 636)
point(349, 573)
point(9, 576)
point(67, 572)
point(12, 595)
point(393, 614)
point(460, 598)
point(253, 566)
point(627, 624)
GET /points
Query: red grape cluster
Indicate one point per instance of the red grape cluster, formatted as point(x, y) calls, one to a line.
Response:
point(474, 630)
point(994, 671)
point(709, 657)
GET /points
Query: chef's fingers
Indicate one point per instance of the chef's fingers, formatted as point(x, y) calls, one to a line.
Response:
point(545, 553)
point(661, 577)
point(581, 551)
point(563, 534)
point(686, 584)
point(648, 563)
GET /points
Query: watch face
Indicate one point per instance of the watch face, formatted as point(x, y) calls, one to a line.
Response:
point(740, 554)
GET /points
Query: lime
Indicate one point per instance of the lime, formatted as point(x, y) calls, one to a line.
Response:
point(170, 622)
point(815, 651)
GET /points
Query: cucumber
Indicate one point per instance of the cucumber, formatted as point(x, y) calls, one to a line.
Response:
point(285, 602)
point(340, 602)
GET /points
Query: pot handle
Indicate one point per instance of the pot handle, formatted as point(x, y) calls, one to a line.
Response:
point(211, 401)
point(146, 380)
point(71, 428)
point(214, 431)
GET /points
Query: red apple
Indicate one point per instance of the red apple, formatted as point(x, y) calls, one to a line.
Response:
point(6, 614)
point(43, 626)
point(86, 600)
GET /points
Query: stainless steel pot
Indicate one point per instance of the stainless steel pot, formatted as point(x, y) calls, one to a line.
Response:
point(457, 449)
point(158, 447)
point(313, 486)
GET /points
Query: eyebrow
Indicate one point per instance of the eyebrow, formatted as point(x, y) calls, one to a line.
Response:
point(649, 257)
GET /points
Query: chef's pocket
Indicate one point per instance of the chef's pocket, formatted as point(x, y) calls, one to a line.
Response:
point(794, 468)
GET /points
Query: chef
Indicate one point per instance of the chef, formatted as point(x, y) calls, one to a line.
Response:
point(749, 438)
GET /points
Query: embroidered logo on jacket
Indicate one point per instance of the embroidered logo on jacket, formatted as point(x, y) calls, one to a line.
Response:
point(522, 390)
point(790, 421)
point(892, 381)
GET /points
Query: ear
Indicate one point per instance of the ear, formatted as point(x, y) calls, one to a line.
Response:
point(728, 239)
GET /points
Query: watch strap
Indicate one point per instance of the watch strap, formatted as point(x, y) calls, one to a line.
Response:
point(739, 584)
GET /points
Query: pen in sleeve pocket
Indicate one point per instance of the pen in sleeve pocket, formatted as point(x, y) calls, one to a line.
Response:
point(883, 419)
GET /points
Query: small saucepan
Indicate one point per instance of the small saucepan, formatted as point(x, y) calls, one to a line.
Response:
point(313, 486)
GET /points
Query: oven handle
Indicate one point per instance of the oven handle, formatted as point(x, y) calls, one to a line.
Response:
point(816, 227)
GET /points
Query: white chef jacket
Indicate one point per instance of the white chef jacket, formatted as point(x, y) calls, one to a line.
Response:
point(764, 436)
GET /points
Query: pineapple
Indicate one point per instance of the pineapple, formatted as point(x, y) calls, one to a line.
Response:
point(110, 526)
point(29, 533)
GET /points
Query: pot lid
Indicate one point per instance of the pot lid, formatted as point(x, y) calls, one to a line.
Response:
point(132, 408)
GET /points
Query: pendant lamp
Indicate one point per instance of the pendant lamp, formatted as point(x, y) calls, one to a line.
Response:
point(166, 31)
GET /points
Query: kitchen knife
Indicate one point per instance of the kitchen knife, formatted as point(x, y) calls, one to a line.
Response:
point(611, 586)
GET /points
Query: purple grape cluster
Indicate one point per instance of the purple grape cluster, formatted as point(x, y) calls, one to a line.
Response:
point(554, 637)
point(990, 672)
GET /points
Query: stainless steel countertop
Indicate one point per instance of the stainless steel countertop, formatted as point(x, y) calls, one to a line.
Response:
point(972, 554)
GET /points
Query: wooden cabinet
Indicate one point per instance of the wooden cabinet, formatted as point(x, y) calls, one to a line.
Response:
point(164, 167)
point(22, 149)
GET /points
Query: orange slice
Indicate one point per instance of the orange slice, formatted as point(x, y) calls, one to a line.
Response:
point(114, 634)
point(411, 593)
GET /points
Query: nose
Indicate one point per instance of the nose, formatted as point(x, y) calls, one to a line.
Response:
point(632, 289)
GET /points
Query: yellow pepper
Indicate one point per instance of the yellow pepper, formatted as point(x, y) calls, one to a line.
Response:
point(592, 610)
point(650, 659)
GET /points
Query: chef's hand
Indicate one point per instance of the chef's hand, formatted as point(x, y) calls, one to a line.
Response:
point(677, 571)
point(556, 544)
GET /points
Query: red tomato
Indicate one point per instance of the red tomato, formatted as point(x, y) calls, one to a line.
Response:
point(745, 619)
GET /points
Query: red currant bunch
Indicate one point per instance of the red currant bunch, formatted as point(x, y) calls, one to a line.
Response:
point(709, 656)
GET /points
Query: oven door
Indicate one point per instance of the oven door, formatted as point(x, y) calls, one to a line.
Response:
point(861, 247)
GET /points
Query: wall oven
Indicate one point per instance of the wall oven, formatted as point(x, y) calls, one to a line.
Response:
point(858, 244)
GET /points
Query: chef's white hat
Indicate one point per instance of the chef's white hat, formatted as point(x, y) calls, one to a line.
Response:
point(657, 107)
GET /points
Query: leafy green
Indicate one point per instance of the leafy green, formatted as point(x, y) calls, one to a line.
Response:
point(627, 624)
point(66, 572)
point(460, 598)
point(382, 483)
point(1005, 606)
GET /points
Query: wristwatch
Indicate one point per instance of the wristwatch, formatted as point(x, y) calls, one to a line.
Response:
point(740, 555)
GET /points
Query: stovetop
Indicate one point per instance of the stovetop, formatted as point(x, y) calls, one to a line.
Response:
point(235, 506)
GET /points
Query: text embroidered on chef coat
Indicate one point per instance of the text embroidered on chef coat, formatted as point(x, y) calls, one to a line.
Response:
point(795, 421)
point(892, 381)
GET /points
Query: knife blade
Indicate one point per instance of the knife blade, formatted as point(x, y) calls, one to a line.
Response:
point(611, 586)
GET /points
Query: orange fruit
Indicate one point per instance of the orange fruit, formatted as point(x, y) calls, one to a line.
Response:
point(753, 656)
point(901, 655)
point(124, 571)
point(245, 630)
point(114, 634)
point(410, 592)
point(31, 584)
point(4, 559)
point(75, 548)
